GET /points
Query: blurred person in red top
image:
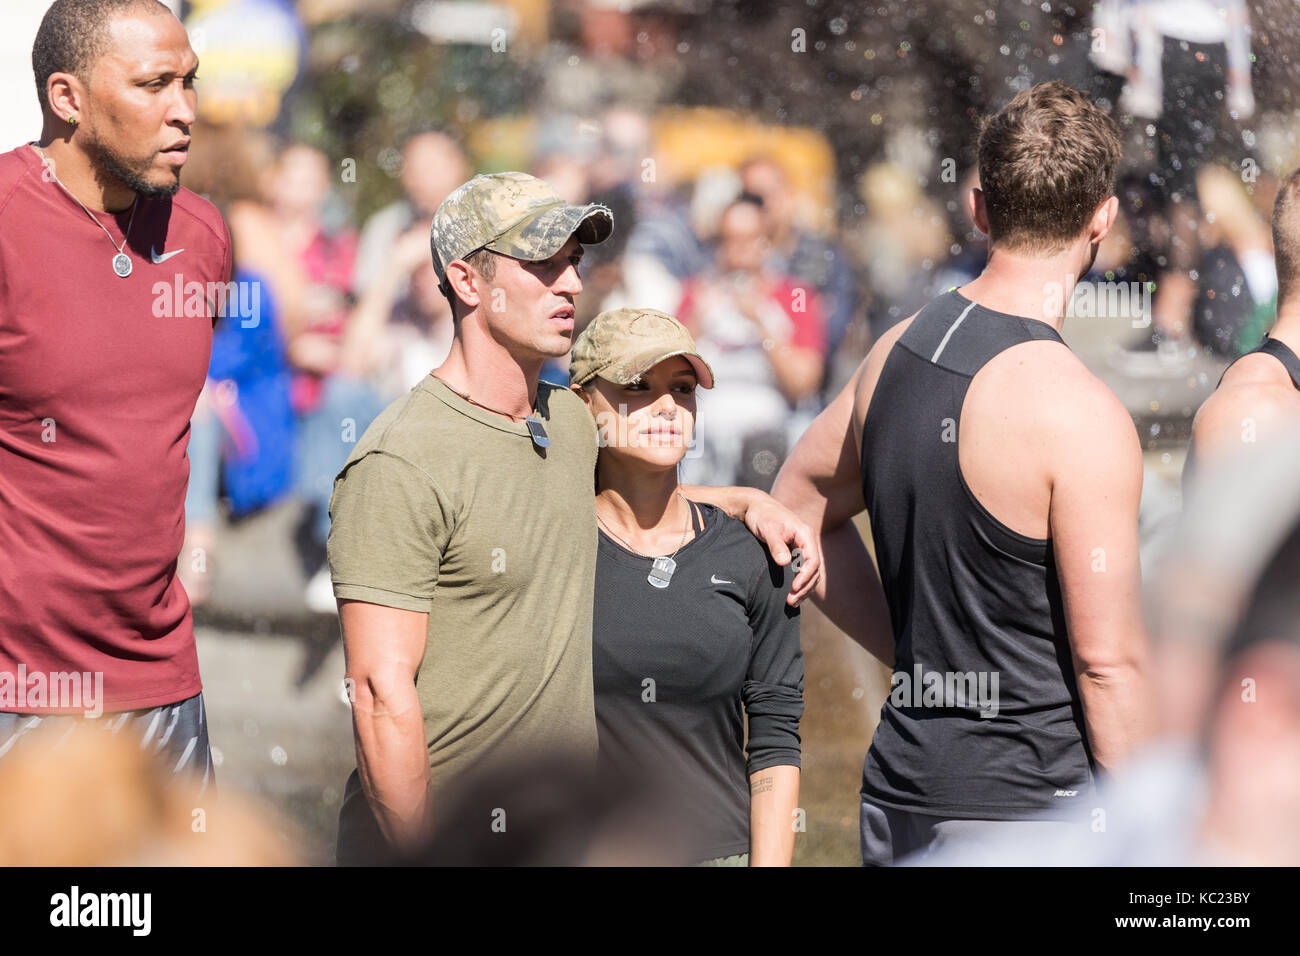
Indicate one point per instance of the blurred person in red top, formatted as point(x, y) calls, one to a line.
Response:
point(764, 333)
point(106, 316)
point(797, 252)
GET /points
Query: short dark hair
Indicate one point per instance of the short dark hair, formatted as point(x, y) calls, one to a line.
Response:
point(1047, 160)
point(1286, 236)
point(72, 36)
point(482, 261)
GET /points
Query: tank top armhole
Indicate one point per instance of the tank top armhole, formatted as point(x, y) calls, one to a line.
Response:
point(1022, 546)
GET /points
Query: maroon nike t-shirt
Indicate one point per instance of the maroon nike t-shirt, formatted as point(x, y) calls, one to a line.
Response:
point(98, 379)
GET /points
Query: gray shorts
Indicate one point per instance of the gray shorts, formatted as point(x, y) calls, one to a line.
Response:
point(888, 835)
point(177, 734)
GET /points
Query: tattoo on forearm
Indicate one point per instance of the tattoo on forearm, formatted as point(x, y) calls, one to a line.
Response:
point(762, 785)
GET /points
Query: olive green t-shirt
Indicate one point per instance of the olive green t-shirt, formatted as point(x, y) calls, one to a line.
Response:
point(445, 508)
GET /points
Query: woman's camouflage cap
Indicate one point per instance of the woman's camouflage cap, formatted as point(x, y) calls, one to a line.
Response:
point(621, 345)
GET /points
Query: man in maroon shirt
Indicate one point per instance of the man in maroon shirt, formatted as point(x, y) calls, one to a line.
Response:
point(109, 278)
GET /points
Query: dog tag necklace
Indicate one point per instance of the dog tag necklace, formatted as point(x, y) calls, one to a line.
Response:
point(532, 422)
point(121, 261)
point(661, 571)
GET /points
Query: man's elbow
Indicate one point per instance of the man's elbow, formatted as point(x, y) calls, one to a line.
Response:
point(383, 693)
point(1111, 671)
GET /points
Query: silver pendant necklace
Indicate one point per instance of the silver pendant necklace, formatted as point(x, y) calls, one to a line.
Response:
point(661, 571)
point(121, 261)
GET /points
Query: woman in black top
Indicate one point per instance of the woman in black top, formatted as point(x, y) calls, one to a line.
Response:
point(691, 630)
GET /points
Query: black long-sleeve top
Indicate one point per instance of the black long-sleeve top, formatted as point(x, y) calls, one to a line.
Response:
point(678, 669)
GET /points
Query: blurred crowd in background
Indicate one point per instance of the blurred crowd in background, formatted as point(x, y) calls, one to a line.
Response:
point(786, 235)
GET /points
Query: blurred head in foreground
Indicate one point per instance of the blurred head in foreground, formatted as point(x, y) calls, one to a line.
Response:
point(554, 811)
point(89, 798)
point(1225, 610)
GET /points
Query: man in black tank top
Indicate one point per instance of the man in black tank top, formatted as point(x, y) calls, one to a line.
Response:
point(1002, 480)
point(1259, 394)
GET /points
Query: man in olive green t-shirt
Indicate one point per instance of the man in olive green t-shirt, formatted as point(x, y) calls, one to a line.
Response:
point(501, 534)
point(463, 538)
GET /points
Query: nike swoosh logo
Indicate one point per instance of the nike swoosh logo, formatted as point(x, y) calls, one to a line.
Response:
point(714, 579)
point(153, 254)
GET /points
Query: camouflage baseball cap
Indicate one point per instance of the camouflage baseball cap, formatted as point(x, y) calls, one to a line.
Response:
point(620, 345)
point(514, 214)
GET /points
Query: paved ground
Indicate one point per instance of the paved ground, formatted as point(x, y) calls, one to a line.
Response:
point(272, 671)
point(283, 739)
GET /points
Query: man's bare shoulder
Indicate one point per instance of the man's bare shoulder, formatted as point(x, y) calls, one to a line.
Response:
point(1258, 377)
point(1045, 391)
point(1075, 426)
point(1256, 393)
point(1044, 376)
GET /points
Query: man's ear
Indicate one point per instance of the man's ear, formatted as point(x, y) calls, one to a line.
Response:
point(66, 96)
point(582, 394)
point(463, 282)
point(978, 214)
point(1103, 220)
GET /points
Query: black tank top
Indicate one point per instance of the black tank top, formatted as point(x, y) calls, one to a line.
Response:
point(1280, 352)
point(983, 720)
